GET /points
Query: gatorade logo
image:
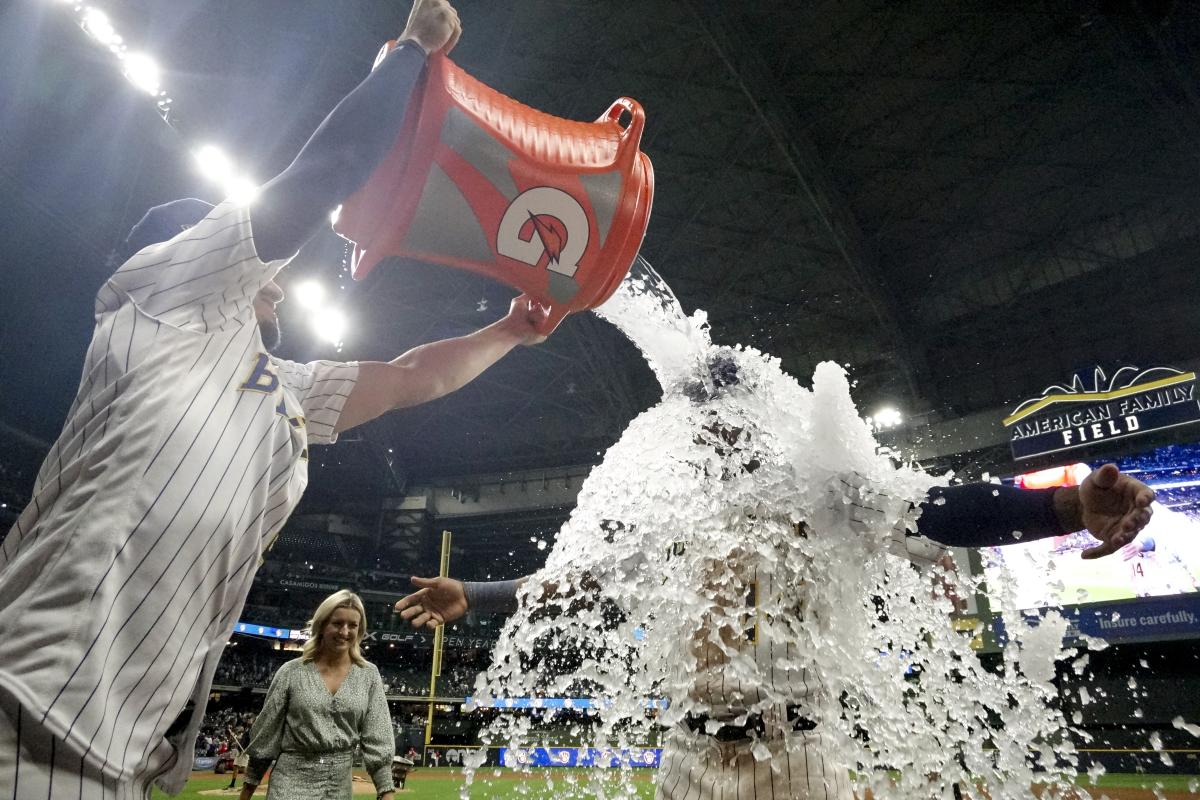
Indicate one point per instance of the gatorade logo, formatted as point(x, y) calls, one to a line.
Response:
point(544, 228)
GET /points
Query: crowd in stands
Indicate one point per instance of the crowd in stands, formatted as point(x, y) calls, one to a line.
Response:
point(240, 667)
point(407, 682)
point(222, 731)
point(237, 668)
point(363, 579)
point(226, 730)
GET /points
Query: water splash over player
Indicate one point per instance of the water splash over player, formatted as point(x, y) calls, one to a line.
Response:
point(719, 559)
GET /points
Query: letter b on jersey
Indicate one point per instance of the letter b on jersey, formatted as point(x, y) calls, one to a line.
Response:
point(261, 379)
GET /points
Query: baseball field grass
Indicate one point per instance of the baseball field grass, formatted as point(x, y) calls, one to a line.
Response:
point(427, 783)
point(444, 784)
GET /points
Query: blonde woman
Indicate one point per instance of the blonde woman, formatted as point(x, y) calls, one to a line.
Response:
point(319, 707)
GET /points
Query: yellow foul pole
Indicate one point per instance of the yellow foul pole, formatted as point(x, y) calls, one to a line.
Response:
point(435, 671)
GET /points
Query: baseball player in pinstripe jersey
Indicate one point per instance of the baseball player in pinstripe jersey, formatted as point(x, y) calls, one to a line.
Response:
point(182, 456)
point(711, 756)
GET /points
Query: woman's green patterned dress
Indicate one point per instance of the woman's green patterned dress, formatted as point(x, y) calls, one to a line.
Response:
point(311, 734)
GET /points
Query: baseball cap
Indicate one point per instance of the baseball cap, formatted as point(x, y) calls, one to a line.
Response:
point(164, 222)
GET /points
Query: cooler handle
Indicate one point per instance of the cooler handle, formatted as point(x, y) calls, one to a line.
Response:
point(637, 120)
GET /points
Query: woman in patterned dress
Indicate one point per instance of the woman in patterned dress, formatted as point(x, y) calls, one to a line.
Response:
point(319, 707)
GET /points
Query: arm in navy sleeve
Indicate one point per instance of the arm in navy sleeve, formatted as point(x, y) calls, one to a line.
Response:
point(338, 158)
point(985, 515)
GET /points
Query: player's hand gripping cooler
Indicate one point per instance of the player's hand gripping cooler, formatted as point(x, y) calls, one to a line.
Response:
point(555, 208)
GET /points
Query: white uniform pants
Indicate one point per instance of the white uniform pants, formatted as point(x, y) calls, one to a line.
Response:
point(35, 765)
point(697, 767)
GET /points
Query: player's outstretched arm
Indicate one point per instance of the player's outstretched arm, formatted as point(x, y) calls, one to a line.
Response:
point(352, 141)
point(432, 370)
point(441, 600)
point(1112, 506)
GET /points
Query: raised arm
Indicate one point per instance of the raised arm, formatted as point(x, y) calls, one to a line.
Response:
point(352, 141)
point(432, 370)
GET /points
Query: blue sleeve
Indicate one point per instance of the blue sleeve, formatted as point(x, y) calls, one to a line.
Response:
point(985, 515)
point(338, 158)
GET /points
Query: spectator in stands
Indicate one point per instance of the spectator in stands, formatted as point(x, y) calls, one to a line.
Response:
point(319, 707)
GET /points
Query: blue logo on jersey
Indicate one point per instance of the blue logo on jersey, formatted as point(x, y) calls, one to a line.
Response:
point(262, 379)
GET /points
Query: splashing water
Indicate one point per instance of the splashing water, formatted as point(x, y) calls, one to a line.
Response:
point(720, 559)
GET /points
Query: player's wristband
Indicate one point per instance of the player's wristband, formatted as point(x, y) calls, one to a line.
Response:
point(414, 43)
point(491, 597)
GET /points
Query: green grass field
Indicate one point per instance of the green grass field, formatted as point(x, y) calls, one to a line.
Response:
point(444, 784)
point(427, 783)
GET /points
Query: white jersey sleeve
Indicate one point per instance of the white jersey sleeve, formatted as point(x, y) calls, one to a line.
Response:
point(322, 387)
point(866, 508)
point(921, 551)
point(204, 279)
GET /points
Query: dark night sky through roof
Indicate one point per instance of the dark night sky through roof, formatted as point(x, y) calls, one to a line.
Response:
point(961, 205)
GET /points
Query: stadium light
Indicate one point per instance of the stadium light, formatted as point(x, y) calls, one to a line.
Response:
point(309, 294)
point(214, 164)
point(97, 25)
point(142, 72)
point(329, 324)
point(241, 190)
point(885, 418)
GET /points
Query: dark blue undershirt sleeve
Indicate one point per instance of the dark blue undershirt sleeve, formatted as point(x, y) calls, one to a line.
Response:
point(338, 158)
point(492, 597)
point(985, 515)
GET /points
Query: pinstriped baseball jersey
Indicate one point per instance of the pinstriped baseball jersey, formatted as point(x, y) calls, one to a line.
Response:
point(715, 684)
point(719, 690)
point(698, 767)
point(182, 456)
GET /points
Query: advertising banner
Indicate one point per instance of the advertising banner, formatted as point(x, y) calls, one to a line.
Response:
point(1139, 620)
point(1099, 408)
point(579, 757)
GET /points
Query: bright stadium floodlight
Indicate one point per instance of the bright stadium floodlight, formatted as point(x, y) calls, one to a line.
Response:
point(329, 325)
point(142, 72)
point(308, 294)
point(241, 190)
point(98, 26)
point(884, 418)
point(214, 164)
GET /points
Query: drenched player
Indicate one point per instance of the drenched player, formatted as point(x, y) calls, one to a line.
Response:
point(710, 754)
point(182, 456)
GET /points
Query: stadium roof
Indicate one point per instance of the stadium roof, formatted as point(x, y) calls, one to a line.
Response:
point(963, 203)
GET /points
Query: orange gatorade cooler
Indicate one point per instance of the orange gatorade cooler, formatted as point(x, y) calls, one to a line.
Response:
point(555, 208)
